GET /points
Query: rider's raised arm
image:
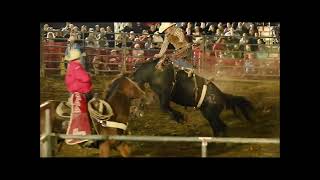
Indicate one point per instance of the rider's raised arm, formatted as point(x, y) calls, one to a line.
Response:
point(164, 46)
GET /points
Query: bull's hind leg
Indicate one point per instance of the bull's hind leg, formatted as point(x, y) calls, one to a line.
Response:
point(211, 113)
point(165, 107)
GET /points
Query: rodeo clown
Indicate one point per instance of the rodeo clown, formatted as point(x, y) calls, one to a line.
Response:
point(183, 50)
point(79, 84)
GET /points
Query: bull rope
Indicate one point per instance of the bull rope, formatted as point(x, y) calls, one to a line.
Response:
point(94, 114)
point(97, 115)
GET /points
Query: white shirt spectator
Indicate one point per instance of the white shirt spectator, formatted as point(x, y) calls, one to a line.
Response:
point(50, 37)
point(92, 41)
point(231, 33)
point(188, 31)
point(203, 25)
point(244, 39)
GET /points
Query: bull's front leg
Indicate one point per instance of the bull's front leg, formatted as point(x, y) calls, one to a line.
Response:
point(104, 149)
point(124, 149)
point(165, 107)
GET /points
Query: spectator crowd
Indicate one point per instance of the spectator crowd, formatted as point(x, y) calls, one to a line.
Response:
point(237, 40)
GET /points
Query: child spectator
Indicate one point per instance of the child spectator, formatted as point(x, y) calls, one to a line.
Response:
point(219, 47)
point(152, 29)
point(228, 28)
point(148, 44)
point(236, 54)
point(114, 60)
point(91, 40)
point(131, 39)
point(189, 30)
point(197, 31)
point(144, 35)
point(137, 53)
point(157, 40)
point(99, 64)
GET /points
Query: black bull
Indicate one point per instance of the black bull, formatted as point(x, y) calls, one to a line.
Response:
point(182, 93)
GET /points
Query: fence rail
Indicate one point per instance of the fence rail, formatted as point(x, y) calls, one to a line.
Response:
point(46, 141)
point(170, 139)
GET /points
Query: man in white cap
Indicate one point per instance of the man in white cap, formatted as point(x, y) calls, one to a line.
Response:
point(72, 44)
point(177, 38)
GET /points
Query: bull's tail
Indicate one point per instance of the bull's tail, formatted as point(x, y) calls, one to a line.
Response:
point(245, 106)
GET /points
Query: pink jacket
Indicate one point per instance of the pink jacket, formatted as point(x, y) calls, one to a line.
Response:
point(77, 79)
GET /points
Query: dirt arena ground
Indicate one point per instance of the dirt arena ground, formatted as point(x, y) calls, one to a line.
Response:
point(264, 95)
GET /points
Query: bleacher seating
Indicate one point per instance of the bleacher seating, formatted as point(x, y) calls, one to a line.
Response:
point(53, 53)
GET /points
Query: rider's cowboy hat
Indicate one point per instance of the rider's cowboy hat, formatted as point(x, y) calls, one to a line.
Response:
point(165, 26)
point(73, 55)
